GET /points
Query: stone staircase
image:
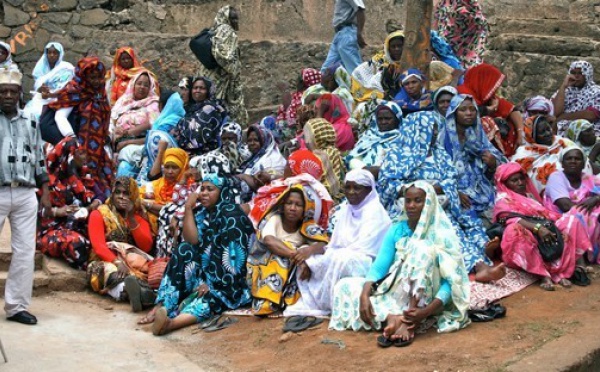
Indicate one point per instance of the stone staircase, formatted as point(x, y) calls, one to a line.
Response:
point(50, 274)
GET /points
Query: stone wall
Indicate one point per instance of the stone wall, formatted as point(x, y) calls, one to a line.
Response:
point(279, 37)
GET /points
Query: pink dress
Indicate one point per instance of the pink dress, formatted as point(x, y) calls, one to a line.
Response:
point(519, 245)
point(337, 114)
point(558, 187)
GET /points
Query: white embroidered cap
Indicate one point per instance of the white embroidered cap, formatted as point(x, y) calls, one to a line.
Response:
point(10, 76)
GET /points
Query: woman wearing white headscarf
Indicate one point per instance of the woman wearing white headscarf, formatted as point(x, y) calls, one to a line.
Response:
point(419, 272)
point(357, 236)
point(6, 57)
point(51, 74)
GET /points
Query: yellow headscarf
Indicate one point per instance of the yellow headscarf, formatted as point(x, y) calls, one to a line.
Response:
point(178, 157)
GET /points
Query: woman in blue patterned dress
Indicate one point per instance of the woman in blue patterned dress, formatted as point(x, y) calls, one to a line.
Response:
point(473, 155)
point(418, 273)
point(207, 272)
point(375, 143)
point(419, 156)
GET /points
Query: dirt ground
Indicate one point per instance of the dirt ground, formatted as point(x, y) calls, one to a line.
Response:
point(84, 329)
point(534, 318)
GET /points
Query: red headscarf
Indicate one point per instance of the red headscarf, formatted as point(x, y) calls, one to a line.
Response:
point(304, 161)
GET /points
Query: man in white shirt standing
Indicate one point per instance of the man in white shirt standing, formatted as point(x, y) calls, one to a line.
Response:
point(22, 169)
point(348, 22)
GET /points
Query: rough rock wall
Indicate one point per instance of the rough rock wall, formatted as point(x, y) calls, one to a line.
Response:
point(278, 37)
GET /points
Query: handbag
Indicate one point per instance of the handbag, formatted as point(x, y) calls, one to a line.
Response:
point(549, 251)
point(49, 129)
point(201, 46)
point(156, 271)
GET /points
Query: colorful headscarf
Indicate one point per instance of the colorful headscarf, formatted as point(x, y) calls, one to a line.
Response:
point(304, 161)
point(444, 51)
point(408, 104)
point(115, 225)
point(482, 82)
point(320, 135)
point(118, 77)
point(575, 129)
point(537, 103)
point(129, 112)
point(178, 157)
point(373, 145)
point(93, 111)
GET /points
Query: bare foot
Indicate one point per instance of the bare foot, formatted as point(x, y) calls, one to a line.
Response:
point(485, 273)
point(149, 318)
point(406, 332)
point(547, 284)
point(492, 248)
point(565, 283)
point(393, 323)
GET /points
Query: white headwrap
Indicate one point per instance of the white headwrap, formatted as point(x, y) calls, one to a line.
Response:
point(361, 227)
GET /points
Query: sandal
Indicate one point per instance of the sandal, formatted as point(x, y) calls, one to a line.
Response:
point(209, 322)
point(159, 327)
point(299, 323)
point(221, 325)
point(384, 342)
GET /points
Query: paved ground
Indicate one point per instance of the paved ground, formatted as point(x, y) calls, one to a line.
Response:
point(74, 334)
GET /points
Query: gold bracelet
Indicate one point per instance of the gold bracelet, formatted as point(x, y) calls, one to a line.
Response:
point(537, 228)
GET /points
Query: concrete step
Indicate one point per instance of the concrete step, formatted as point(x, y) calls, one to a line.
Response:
point(548, 45)
point(545, 27)
point(52, 275)
point(6, 255)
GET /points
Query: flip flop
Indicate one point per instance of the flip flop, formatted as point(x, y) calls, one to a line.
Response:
point(299, 323)
point(403, 343)
point(384, 342)
point(209, 322)
point(221, 325)
point(480, 316)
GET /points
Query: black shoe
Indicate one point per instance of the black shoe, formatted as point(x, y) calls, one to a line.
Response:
point(140, 295)
point(24, 317)
point(133, 289)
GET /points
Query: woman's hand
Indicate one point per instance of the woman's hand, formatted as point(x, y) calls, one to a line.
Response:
point(489, 159)
point(122, 270)
point(416, 315)
point(568, 81)
point(162, 145)
point(311, 98)
point(365, 307)
point(190, 203)
point(465, 201)
point(121, 145)
point(546, 235)
point(304, 272)
point(203, 289)
point(589, 204)
point(301, 255)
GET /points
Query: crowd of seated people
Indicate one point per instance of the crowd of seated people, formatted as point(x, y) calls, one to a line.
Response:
point(367, 197)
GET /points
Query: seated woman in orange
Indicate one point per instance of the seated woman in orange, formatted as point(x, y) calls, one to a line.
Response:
point(121, 238)
point(168, 169)
point(125, 66)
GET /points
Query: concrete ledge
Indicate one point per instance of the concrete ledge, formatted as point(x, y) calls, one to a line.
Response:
point(578, 351)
